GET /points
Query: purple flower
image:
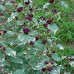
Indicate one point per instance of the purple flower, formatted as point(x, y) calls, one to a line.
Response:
point(53, 51)
point(0, 46)
point(12, 1)
point(0, 34)
point(19, 9)
point(49, 30)
point(30, 9)
point(31, 15)
point(52, 41)
point(37, 38)
point(49, 21)
point(65, 65)
point(26, 31)
point(45, 25)
point(44, 41)
point(54, 11)
point(47, 48)
point(4, 31)
point(27, 3)
point(29, 18)
point(31, 43)
point(4, 48)
point(16, 18)
point(49, 68)
point(51, 1)
point(46, 62)
point(66, 70)
point(1, 14)
point(43, 69)
point(51, 62)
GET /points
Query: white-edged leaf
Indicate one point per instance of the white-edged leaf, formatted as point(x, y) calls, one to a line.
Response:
point(2, 57)
point(60, 46)
point(64, 4)
point(8, 3)
point(55, 57)
point(72, 63)
point(12, 16)
point(25, 38)
point(20, 5)
point(4, 63)
point(2, 7)
point(10, 52)
point(25, 0)
point(19, 72)
point(20, 22)
point(17, 60)
point(53, 28)
point(46, 5)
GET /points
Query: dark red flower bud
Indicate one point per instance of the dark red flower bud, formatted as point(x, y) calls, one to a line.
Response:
point(45, 25)
point(37, 38)
point(44, 41)
point(30, 9)
point(46, 62)
point(0, 46)
point(54, 11)
point(53, 51)
point(43, 69)
point(50, 68)
point(4, 31)
point(0, 34)
point(49, 21)
point(19, 9)
point(31, 15)
point(31, 43)
point(12, 1)
point(51, 62)
point(66, 70)
point(4, 48)
point(51, 1)
point(27, 3)
point(16, 18)
point(65, 65)
point(26, 31)
point(1, 14)
point(29, 18)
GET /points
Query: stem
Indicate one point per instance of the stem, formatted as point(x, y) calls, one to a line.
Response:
point(41, 54)
point(24, 7)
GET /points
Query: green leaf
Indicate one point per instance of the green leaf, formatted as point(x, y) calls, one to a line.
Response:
point(25, 38)
point(55, 57)
point(25, 0)
point(10, 52)
point(25, 66)
point(12, 16)
point(39, 66)
point(2, 57)
point(38, 44)
point(4, 63)
point(46, 5)
point(32, 63)
point(17, 60)
point(2, 7)
point(60, 46)
point(8, 3)
point(20, 22)
point(18, 1)
point(64, 4)
point(53, 28)
point(19, 72)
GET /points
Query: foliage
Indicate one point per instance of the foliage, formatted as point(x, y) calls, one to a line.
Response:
point(27, 41)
